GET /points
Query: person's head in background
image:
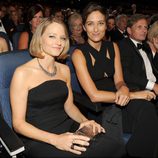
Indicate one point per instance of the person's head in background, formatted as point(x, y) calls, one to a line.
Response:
point(14, 17)
point(121, 22)
point(3, 10)
point(35, 16)
point(57, 13)
point(110, 22)
point(76, 27)
point(47, 11)
point(152, 37)
point(94, 21)
point(153, 19)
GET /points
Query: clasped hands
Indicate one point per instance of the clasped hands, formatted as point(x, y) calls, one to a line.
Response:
point(122, 96)
point(76, 143)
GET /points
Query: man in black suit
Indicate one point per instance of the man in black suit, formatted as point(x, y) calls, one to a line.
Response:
point(140, 75)
point(119, 32)
point(139, 70)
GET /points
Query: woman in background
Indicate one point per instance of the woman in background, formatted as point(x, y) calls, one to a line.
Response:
point(76, 29)
point(34, 18)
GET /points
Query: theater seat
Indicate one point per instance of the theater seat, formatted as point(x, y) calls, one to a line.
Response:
point(8, 63)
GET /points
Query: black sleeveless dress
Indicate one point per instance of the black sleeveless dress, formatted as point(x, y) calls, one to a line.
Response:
point(46, 111)
point(101, 71)
point(138, 117)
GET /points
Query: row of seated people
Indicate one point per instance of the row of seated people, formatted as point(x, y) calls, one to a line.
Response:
point(98, 68)
point(20, 39)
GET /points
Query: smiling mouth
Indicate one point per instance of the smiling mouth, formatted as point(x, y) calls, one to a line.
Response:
point(57, 47)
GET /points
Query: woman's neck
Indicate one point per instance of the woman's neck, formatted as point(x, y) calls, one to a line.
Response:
point(96, 45)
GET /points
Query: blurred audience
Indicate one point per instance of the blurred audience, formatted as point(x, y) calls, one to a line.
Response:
point(58, 13)
point(110, 23)
point(47, 11)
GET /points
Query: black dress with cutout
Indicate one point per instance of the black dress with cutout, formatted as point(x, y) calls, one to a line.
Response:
point(138, 116)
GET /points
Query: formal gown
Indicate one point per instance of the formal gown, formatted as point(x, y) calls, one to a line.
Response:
point(138, 117)
point(101, 70)
point(45, 111)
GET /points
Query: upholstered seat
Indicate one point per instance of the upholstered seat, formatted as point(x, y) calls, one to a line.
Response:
point(8, 62)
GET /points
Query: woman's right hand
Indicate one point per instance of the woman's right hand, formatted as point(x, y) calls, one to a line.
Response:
point(71, 142)
point(146, 94)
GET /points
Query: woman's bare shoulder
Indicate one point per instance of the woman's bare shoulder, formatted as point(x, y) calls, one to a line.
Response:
point(26, 69)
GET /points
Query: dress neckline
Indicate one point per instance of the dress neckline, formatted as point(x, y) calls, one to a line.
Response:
point(95, 50)
point(58, 80)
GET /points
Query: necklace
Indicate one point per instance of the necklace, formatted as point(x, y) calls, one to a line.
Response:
point(51, 74)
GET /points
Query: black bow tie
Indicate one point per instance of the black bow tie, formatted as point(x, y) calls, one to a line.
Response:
point(140, 46)
point(124, 34)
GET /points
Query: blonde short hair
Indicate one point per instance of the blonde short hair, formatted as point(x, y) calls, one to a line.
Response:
point(35, 45)
point(72, 18)
point(153, 31)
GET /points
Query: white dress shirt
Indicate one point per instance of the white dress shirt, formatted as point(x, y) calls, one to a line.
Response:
point(149, 72)
point(2, 29)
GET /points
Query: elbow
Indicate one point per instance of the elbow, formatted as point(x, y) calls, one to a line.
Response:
point(93, 98)
point(17, 125)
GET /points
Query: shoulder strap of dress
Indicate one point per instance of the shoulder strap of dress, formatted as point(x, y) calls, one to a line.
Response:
point(83, 49)
point(110, 47)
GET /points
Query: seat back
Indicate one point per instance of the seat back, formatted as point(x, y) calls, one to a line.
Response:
point(74, 80)
point(8, 63)
point(15, 39)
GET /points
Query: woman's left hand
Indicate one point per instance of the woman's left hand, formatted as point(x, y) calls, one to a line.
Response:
point(122, 96)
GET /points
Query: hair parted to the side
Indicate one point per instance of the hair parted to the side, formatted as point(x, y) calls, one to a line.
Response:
point(134, 19)
point(91, 7)
point(35, 45)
